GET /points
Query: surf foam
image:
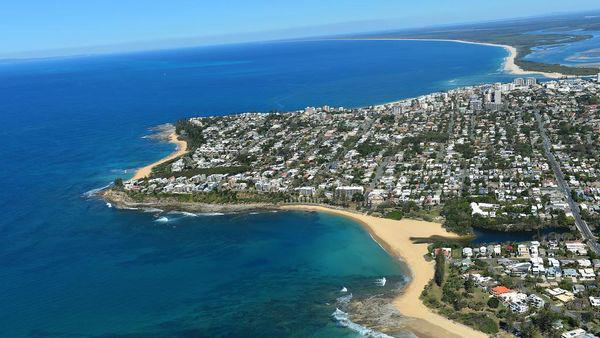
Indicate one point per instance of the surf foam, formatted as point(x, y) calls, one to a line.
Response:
point(342, 319)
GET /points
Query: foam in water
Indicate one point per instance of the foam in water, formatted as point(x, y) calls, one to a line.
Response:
point(108, 204)
point(342, 319)
point(184, 213)
point(94, 192)
point(344, 300)
point(162, 219)
point(211, 214)
point(344, 289)
point(381, 281)
point(152, 210)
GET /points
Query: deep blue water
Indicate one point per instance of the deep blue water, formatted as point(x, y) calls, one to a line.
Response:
point(70, 266)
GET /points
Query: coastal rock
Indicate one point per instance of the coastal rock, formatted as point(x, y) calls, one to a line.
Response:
point(122, 200)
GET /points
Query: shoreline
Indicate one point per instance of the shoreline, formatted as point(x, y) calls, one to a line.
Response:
point(395, 238)
point(181, 149)
point(509, 66)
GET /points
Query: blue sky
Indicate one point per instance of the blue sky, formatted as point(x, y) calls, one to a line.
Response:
point(79, 25)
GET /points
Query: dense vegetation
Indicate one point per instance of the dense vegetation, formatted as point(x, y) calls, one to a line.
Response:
point(440, 269)
point(457, 213)
point(460, 300)
point(213, 197)
point(190, 133)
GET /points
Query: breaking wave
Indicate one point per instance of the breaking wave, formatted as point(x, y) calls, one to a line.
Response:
point(93, 192)
point(152, 210)
point(184, 213)
point(342, 319)
point(162, 219)
point(210, 214)
point(344, 300)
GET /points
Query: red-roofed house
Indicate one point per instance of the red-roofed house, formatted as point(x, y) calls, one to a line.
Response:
point(498, 290)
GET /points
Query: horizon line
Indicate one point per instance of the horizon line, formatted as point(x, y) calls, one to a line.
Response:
point(251, 37)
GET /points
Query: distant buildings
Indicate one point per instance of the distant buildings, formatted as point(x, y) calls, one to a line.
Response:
point(530, 81)
point(519, 82)
point(481, 143)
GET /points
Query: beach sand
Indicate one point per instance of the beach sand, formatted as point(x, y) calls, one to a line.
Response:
point(509, 61)
point(181, 149)
point(395, 237)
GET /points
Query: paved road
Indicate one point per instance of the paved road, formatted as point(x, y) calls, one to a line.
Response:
point(584, 229)
point(378, 173)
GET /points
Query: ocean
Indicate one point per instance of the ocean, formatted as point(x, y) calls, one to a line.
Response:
point(72, 266)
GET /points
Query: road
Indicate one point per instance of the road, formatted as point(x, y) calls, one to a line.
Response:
point(582, 226)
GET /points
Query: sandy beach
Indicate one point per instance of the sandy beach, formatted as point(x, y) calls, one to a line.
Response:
point(181, 149)
point(509, 65)
point(395, 237)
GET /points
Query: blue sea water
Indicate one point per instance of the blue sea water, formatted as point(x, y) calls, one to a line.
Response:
point(71, 266)
point(585, 53)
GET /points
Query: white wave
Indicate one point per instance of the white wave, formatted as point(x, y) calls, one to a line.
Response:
point(342, 319)
point(381, 281)
point(93, 192)
point(152, 210)
point(381, 246)
point(210, 214)
point(344, 289)
point(162, 219)
point(184, 213)
point(344, 300)
point(108, 204)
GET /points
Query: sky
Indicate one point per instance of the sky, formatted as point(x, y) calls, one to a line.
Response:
point(45, 27)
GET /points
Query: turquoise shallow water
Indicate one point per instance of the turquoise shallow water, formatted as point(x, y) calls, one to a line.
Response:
point(585, 53)
point(70, 266)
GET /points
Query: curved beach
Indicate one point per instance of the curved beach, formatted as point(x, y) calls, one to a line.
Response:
point(181, 149)
point(509, 65)
point(396, 236)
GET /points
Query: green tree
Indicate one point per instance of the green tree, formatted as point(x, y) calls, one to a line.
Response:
point(493, 303)
point(358, 197)
point(469, 285)
point(395, 214)
point(440, 269)
point(544, 319)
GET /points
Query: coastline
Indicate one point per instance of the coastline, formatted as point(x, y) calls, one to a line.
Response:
point(180, 150)
point(509, 65)
point(395, 237)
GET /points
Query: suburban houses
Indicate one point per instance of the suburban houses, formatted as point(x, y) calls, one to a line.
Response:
point(480, 144)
